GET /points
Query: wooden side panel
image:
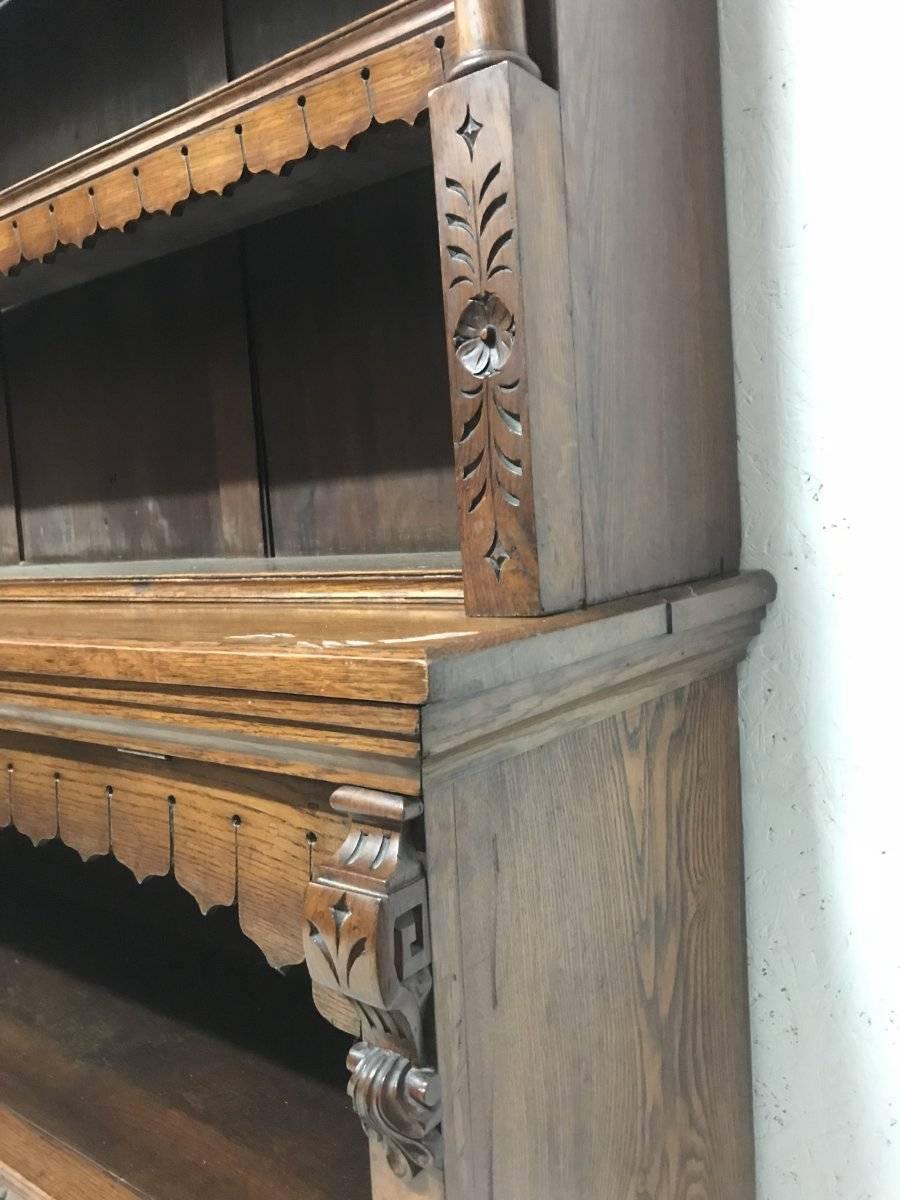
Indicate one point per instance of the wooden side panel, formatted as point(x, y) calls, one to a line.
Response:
point(9, 538)
point(9, 534)
point(352, 375)
point(590, 965)
point(75, 74)
point(641, 116)
point(148, 450)
point(509, 336)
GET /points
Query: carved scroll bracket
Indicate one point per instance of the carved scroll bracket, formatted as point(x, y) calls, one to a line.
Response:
point(366, 921)
point(399, 1106)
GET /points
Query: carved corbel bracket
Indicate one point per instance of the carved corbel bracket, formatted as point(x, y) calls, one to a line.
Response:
point(367, 938)
point(366, 921)
point(500, 190)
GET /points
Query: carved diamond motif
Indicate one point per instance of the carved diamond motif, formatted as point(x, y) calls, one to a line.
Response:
point(340, 912)
point(469, 131)
point(498, 556)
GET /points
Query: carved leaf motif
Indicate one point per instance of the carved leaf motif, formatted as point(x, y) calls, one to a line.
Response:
point(399, 1106)
point(489, 426)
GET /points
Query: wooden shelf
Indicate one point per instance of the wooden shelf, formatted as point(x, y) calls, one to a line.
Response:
point(401, 654)
point(377, 70)
point(129, 1068)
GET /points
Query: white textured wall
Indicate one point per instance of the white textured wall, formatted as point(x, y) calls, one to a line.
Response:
point(812, 131)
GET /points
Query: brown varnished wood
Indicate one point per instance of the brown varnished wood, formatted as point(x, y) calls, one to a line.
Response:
point(369, 470)
point(395, 655)
point(27, 1155)
point(228, 837)
point(589, 956)
point(385, 152)
point(507, 301)
point(490, 32)
point(102, 472)
point(378, 69)
point(9, 534)
point(641, 114)
point(181, 1069)
point(373, 580)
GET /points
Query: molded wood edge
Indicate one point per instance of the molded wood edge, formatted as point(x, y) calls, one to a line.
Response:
point(37, 1167)
point(617, 625)
point(510, 721)
point(585, 674)
point(335, 763)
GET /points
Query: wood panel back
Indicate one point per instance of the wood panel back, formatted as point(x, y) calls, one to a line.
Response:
point(132, 415)
point(260, 30)
point(641, 109)
point(74, 74)
point(590, 981)
point(349, 342)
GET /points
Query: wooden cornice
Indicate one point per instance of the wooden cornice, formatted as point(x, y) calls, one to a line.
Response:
point(378, 69)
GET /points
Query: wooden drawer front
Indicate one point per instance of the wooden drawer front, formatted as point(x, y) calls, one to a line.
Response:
point(228, 836)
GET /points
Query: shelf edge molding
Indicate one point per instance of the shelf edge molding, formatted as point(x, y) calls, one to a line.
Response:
point(377, 70)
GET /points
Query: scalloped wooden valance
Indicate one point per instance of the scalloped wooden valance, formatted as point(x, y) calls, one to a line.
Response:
point(379, 69)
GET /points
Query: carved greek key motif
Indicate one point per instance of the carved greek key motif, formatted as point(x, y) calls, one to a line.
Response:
point(399, 1106)
point(366, 918)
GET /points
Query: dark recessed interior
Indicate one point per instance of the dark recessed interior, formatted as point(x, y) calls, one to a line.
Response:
point(158, 1043)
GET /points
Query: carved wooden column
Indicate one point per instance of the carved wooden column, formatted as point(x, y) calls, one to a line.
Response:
point(367, 937)
point(489, 32)
point(507, 293)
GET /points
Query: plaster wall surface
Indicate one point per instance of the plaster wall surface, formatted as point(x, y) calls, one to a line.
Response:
point(812, 130)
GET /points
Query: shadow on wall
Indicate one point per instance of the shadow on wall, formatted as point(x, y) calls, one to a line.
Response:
point(812, 296)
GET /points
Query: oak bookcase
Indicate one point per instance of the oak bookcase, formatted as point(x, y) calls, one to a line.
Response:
point(369, 604)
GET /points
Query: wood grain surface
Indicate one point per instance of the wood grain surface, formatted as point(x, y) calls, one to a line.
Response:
point(34, 1166)
point(352, 374)
point(101, 474)
point(9, 532)
point(395, 654)
point(641, 112)
point(589, 953)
